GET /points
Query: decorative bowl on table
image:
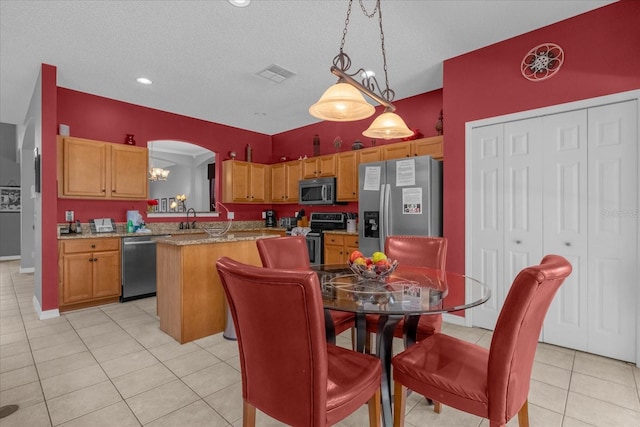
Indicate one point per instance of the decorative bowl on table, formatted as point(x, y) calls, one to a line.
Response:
point(378, 270)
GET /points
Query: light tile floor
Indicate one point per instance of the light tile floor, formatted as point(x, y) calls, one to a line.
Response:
point(112, 366)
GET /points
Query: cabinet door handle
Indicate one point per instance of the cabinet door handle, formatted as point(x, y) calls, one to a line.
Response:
point(93, 246)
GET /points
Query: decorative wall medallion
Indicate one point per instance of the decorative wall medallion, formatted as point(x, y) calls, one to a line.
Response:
point(542, 62)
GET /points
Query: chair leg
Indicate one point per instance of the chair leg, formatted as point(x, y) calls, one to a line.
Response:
point(367, 343)
point(399, 404)
point(375, 410)
point(353, 340)
point(523, 415)
point(248, 414)
point(437, 407)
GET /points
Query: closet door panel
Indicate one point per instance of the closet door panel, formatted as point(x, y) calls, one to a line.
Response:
point(565, 223)
point(523, 197)
point(613, 230)
point(487, 220)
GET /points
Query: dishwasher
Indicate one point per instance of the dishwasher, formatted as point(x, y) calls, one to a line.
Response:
point(138, 267)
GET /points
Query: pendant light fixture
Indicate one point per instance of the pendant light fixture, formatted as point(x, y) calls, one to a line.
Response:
point(156, 174)
point(343, 102)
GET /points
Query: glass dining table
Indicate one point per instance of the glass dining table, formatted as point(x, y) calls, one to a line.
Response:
point(407, 293)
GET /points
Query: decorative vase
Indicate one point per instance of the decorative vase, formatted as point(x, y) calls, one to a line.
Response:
point(129, 140)
point(316, 145)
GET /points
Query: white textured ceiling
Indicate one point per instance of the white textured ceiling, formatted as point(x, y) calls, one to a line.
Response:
point(203, 56)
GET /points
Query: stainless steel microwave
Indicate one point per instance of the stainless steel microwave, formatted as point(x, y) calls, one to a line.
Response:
point(318, 191)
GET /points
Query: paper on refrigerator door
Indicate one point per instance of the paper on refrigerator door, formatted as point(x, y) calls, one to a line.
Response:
point(412, 201)
point(405, 172)
point(372, 178)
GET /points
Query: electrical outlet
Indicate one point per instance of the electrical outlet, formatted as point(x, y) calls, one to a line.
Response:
point(68, 215)
point(230, 215)
point(264, 215)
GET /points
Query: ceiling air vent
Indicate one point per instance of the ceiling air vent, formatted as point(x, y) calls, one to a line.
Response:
point(276, 73)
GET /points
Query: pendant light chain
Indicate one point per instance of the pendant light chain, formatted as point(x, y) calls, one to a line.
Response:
point(343, 101)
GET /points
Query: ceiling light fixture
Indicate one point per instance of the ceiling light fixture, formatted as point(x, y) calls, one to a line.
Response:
point(144, 80)
point(156, 174)
point(240, 3)
point(343, 102)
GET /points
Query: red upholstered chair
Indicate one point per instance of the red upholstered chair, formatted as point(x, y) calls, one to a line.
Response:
point(492, 383)
point(291, 252)
point(288, 369)
point(423, 251)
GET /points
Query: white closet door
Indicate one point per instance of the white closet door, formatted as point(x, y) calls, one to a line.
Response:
point(487, 219)
point(522, 197)
point(613, 231)
point(565, 223)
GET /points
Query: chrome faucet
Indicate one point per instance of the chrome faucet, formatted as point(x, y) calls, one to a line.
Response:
point(192, 224)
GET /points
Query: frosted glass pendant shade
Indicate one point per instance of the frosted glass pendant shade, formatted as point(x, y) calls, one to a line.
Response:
point(388, 125)
point(342, 103)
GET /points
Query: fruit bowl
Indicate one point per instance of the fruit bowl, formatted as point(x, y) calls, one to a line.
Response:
point(374, 271)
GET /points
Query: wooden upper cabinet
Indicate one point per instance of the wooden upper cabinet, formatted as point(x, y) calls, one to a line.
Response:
point(419, 147)
point(129, 172)
point(100, 170)
point(347, 176)
point(246, 182)
point(316, 167)
point(396, 151)
point(369, 155)
point(429, 147)
point(284, 181)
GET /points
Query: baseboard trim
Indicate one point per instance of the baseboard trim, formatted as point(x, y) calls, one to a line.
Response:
point(43, 315)
point(27, 270)
point(9, 258)
point(456, 320)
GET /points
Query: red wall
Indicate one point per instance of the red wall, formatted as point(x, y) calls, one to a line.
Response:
point(49, 190)
point(602, 56)
point(104, 119)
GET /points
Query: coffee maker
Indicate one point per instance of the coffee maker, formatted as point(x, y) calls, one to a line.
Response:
point(270, 218)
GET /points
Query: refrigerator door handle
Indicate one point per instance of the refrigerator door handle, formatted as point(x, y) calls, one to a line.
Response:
point(381, 219)
point(385, 216)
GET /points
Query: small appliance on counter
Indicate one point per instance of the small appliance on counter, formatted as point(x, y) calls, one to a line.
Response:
point(102, 225)
point(288, 222)
point(270, 218)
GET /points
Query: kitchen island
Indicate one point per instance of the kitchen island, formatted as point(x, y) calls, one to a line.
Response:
point(190, 297)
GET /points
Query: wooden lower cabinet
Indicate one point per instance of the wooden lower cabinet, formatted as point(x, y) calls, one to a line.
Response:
point(338, 246)
point(191, 299)
point(89, 272)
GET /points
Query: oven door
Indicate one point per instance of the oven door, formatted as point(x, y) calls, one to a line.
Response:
point(315, 246)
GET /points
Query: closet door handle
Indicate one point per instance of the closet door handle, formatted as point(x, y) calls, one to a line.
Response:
point(567, 243)
point(518, 242)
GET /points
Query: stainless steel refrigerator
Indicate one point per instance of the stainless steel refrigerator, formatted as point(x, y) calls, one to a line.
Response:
point(399, 197)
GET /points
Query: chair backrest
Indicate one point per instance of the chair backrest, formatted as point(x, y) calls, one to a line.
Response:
point(423, 251)
point(284, 252)
point(515, 337)
point(283, 363)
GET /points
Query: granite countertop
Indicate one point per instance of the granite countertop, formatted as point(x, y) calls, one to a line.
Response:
point(204, 239)
point(163, 229)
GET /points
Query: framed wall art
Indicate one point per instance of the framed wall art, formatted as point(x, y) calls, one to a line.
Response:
point(163, 205)
point(10, 199)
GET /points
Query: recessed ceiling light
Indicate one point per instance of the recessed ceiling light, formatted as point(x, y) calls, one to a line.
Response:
point(240, 3)
point(144, 80)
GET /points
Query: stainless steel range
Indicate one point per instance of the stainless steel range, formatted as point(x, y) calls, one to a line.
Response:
point(320, 222)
